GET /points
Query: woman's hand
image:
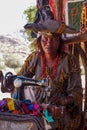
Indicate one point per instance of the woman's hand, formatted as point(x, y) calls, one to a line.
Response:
point(66, 100)
point(44, 106)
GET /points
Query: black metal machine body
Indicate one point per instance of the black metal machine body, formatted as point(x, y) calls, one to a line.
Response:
point(10, 81)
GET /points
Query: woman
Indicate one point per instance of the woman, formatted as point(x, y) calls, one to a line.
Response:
point(63, 71)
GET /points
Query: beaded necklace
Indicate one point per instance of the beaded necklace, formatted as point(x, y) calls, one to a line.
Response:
point(45, 71)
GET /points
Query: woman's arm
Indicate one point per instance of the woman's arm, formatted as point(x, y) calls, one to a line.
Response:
point(28, 68)
point(74, 88)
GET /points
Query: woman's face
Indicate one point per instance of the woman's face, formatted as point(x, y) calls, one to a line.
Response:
point(49, 44)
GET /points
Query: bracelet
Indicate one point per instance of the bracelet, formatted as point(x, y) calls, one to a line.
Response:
point(66, 100)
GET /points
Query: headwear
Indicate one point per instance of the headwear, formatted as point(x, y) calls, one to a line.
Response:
point(41, 3)
point(57, 27)
point(85, 2)
point(50, 25)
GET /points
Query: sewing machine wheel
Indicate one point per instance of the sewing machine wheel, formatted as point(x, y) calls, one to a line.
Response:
point(1, 76)
point(8, 74)
point(8, 81)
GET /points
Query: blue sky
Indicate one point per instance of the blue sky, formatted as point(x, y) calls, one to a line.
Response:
point(11, 15)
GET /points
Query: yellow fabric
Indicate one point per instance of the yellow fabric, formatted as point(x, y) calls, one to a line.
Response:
point(61, 29)
point(10, 104)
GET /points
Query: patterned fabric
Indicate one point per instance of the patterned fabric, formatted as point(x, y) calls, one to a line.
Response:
point(67, 82)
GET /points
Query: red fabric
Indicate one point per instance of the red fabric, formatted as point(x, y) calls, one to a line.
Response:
point(24, 106)
point(53, 7)
point(63, 12)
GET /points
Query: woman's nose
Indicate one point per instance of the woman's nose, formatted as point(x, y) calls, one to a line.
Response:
point(49, 41)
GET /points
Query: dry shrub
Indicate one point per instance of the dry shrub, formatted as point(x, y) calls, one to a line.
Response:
point(14, 61)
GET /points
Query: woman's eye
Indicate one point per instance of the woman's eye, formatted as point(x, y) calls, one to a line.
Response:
point(44, 40)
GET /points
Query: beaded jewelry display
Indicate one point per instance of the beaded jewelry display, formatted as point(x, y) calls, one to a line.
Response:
point(45, 71)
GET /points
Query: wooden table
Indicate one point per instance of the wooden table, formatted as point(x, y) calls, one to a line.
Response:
point(24, 122)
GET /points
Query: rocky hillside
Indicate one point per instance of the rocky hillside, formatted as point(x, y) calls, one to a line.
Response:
point(12, 53)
